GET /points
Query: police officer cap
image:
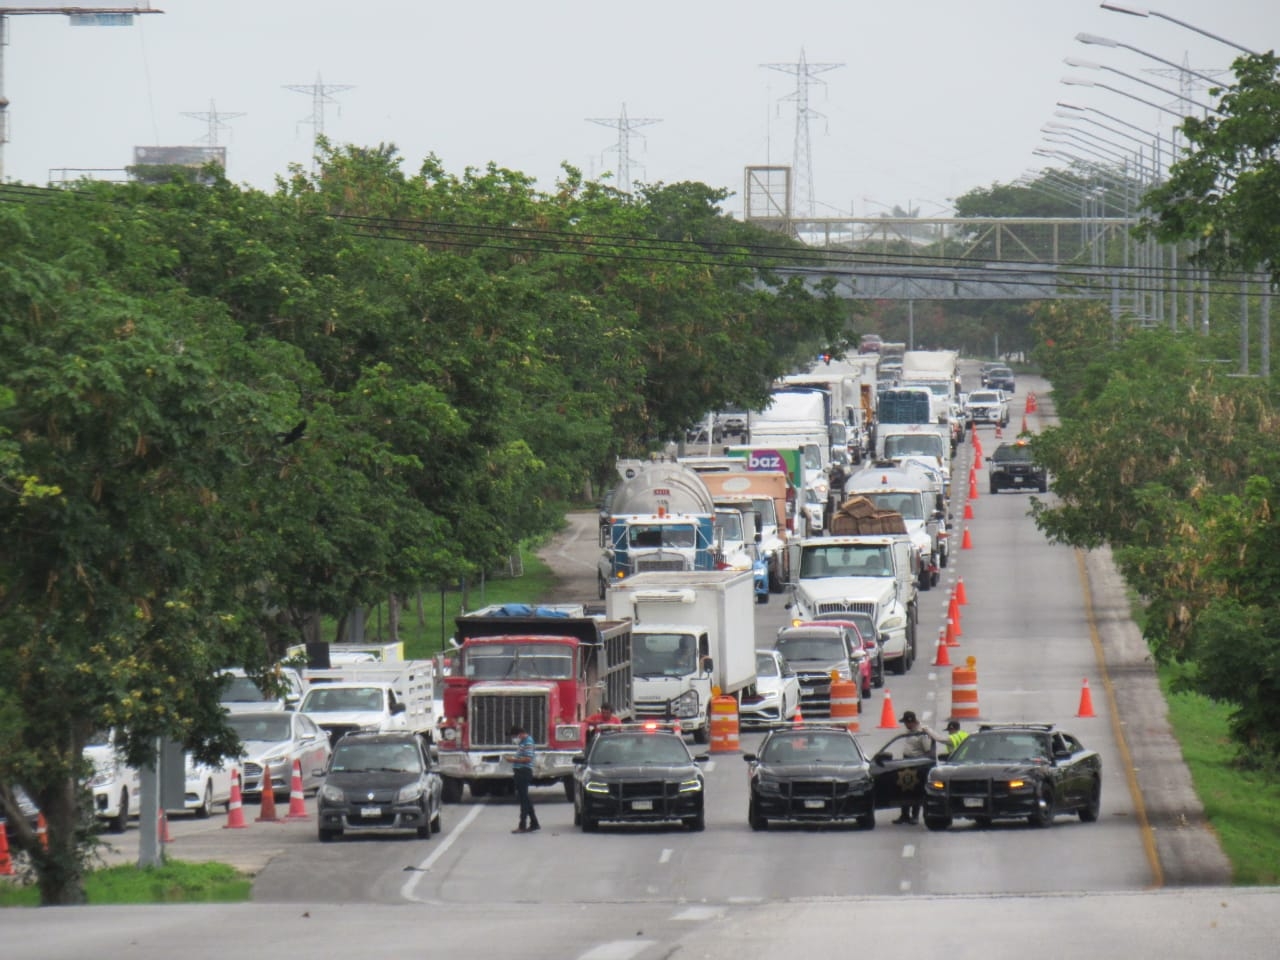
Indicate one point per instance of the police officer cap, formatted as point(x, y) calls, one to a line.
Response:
point(953, 725)
point(908, 717)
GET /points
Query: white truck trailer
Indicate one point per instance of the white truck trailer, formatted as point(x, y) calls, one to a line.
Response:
point(693, 636)
point(372, 696)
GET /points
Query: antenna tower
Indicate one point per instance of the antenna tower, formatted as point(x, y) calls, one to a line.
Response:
point(625, 126)
point(802, 158)
point(321, 94)
point(214, 120)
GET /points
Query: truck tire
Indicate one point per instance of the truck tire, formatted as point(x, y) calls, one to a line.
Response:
point(479, 789)
point(702, 736)
point(567, 783)
point(451, 791)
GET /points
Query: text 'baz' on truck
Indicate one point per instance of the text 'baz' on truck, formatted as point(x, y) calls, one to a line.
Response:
point(544, 669)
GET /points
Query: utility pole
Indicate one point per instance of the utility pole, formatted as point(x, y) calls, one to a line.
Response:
point(802, 159)
point(321, 93)
point(214, 120)
point(625, 126)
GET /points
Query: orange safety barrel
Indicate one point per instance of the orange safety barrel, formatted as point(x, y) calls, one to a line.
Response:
point(964, 690)
point(845, 703)
point(724, 724)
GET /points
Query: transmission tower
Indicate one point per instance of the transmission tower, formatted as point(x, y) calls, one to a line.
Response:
point(214, 120)
point(321, 94)
point(1189, 82)
point(625, 126)
point(802, 158)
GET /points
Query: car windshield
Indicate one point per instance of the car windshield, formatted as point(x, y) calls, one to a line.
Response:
point(847, 560)
point(663, 654)
point(243, 690)
point(1001, 748)
point(910, 505)
point(811, 748)
point(635, 749)
point(265, 729)
point(810, 648)
point(766, 665)
point(765, 507)
point(905, 445)
point(376, 757)
point(1009, 452)
point(342, 699)
point(984, 396)
point(661, 535)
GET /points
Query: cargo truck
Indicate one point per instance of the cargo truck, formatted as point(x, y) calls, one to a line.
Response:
point(371, 696)
point(693, 636)
point(532, 667)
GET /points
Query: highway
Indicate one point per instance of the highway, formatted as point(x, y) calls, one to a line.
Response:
point(1039, 621)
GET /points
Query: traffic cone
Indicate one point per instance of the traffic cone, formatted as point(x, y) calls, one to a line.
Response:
point(977, 446)
point(887, 720)
point(42, 831)
point(968, 510)
point(235, 812)
point(967, 542)
point(950, 632)
point(973, 485)
point(999, 432)
point(297, 797)
point(799, 717)
point(6, 861)
point(268, 814)
point(953, 614)
point(1086, 701)
point(162, 828)
point(961, 596)
point(942, 658)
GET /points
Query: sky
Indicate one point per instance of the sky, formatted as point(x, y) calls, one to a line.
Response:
point(930, 98)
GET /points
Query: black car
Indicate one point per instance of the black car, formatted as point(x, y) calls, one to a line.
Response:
point(1012, 466)
point(1011, 771)
point(380, 781)
point(1000, 378)
point(638, 773)
point(808, 773)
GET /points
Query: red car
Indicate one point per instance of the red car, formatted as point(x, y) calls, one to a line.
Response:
point(870, 653)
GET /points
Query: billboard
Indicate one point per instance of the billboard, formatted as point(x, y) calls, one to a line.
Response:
point(194, 156)
point(73, 7)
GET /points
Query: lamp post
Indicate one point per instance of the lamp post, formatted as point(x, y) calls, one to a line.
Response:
point(1093, 38)
point(1123, 123)
point(1090, 65)
point(1078, 82)
point(1141, 12)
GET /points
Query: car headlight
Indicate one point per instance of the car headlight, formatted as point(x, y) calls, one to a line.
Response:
point(568, 731)
point(769, 696)
point(101, 778)
point(332, 794)
point(820, 488)
point(690, 786)
point(768, 786)
point(685, 705)
point(892, 623)
point(409, 793)
point(595, 786)
point(843, 672)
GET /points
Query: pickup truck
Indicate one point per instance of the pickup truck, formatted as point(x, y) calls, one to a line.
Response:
point(1012, 466)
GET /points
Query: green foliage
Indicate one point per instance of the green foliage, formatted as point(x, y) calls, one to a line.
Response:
point(175, 881)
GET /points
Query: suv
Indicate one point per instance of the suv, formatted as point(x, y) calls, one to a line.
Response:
point(638, 773)
point(1012, 467)
point(987, 406)
point(815, 651)
point(380, 781)
point(1000, 378)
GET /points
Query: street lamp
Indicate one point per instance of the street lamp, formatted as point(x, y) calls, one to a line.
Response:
point(1067, 130)
point(1124, 123)
point(1139, 12)
point(1077, 82)
point(1092, 38)
point(1090, 65)
point(1109, 156)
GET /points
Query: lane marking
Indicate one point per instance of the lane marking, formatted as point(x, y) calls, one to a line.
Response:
point(699, 913)
point(904, 886)
point(1130, 774)
point(665, 856)
point(908, 851)
point(616, 950)
point(408, 887)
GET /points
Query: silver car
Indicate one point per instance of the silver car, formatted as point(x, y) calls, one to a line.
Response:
point(276, 739)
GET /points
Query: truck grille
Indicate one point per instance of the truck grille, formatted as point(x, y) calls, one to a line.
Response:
point(815, 694)
point(840, 606)
point(494, 714)
point(677, 564)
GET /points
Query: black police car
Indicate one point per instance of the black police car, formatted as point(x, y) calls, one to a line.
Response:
point(1013, 467)
point(810, 774)
point(1015, 770)
point(380, 781)
point(638, 773)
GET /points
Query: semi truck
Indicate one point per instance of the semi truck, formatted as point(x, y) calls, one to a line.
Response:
point(661, 517)
point(912, 491)
point(693, 636)
point(767, 493)
point(538, 668)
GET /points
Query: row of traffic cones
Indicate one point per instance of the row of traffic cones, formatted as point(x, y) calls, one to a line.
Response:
point(297, 800)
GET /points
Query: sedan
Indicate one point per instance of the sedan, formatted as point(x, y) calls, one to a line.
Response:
point(810, 774)
point(380, 782)
point(777, 692)
point(863, 655)
point(277, 740)
point(1012, 771)
point(206, 787)
point(639, 773)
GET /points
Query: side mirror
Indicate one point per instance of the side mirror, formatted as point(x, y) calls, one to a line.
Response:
point(749, 757)
point(397, 708)
point(882, 758)
point(701, 758)
point(579, 759)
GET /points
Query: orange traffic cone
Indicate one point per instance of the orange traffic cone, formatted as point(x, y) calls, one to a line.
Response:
point(950, 633)
point(297, 797)
point(942, 658)
point(999, 432)
point(968, 510)
point(268, 814)
point(6, 861)
point(42, 831)
point(966, 543)
point(977, 446)
point(162, 828)
point(887, 720)
point(799, 717)
point(1033, 405)
point(973, 485)
point(953, 614)
point(1086, 701)
point(235, 812)
point(960, 594)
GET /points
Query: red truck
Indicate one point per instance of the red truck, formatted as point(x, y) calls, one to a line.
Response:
point(546, 673)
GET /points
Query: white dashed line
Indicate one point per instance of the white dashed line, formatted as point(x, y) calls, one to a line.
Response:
point(665, 856)
point(699, 913)
point(616, 950)
point(908, 851)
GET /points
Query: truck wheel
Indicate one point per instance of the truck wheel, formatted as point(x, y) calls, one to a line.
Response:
point(479, 789)
point(567, 783)
point(702, 736)
point(452, 790)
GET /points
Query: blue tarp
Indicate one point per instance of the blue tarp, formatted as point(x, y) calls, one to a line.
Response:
point(525, 610)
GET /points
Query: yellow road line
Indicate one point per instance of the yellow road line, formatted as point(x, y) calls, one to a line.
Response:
point(1140, 808)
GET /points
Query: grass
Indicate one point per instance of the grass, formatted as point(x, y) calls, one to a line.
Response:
point(1240, 804)
point(174, 882)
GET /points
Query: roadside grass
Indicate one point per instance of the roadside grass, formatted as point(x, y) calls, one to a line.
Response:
point(1241, 804)
point(175, 881)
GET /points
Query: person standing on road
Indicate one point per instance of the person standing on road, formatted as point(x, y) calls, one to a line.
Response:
point(918, 743)
point(955, 736)
point(522, 769)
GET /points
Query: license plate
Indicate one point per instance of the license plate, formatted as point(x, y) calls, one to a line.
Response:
point(1017, 479)
point(974, 802)
point(814, 804)
point(370, 811)
point(641, 804)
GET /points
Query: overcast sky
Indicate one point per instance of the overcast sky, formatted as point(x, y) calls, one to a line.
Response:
point(932, 98)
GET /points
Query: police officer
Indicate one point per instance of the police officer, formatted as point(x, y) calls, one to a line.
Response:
point(955, 736)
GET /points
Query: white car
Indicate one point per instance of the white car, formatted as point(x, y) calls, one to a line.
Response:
point(276, 739)
point(988, 406)
point(206, 787)
point(116, 786)
point(777, 696)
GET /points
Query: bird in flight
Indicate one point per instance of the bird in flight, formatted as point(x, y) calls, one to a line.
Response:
point(294, 435)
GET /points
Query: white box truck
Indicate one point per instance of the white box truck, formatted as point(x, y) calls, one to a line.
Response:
point(693, 635)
